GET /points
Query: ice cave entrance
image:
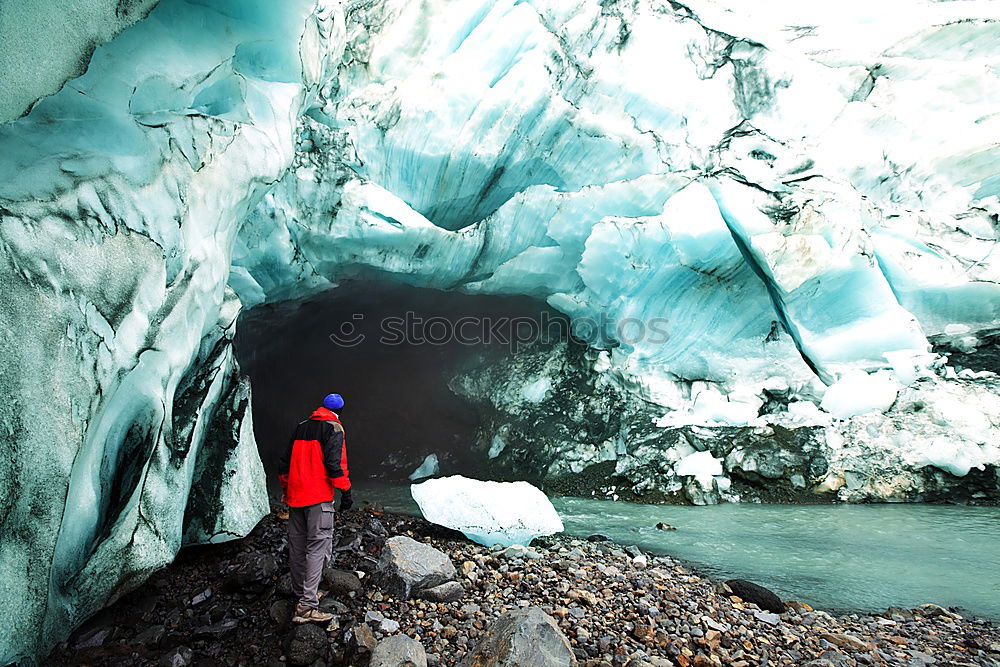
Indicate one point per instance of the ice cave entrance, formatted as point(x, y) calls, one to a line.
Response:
point(391, 351)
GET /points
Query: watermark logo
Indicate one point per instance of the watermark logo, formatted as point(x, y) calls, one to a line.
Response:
point(412, 329)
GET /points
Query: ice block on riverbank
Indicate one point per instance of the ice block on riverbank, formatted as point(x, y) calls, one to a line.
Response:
point(488, 512)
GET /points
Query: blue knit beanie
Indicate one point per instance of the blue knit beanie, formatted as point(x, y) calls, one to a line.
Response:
point(333, 402)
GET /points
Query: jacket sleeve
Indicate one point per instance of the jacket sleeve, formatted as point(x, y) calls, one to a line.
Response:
point(285, 460)
point(284, 463)
point(335, 457)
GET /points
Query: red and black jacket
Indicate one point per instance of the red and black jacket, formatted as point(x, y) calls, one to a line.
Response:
point(315, 461)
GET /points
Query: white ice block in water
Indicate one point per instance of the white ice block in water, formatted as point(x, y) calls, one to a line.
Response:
point(428, 468)
point(488, 512)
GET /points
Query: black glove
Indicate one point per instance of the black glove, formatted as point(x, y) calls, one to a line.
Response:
point(346, 501)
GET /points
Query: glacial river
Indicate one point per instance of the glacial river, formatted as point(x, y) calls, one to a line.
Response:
point(834, 557)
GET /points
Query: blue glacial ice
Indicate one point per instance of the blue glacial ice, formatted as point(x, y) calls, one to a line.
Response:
point(802, 213)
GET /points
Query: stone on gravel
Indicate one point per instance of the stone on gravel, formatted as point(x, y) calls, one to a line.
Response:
point(307, 644)
point(398, 651)
point(177, 657)
point(770, 619)
point(341, 582)
point(364, 638)
point(450, 591)
point(151, 636)
point(758, 595)
point(523, 637)
point(93, 639)
point(846, 641)
point(281, 612)
point(407, 567)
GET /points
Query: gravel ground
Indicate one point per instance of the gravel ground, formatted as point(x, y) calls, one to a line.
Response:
point(229, 605)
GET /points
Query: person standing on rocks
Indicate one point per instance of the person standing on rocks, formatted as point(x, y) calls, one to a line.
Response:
point(313, 465)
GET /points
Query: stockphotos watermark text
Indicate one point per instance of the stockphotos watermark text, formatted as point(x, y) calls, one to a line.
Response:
point(511, 332)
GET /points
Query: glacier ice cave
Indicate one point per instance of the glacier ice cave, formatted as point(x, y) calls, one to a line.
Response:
point(807, 196)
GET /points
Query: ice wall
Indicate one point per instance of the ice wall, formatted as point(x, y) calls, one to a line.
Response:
point(123, 410)
point(46, 44)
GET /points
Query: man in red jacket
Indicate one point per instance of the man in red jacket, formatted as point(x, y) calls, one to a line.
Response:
point(313, 465)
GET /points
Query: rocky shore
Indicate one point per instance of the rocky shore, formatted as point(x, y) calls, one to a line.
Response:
point(570, 601)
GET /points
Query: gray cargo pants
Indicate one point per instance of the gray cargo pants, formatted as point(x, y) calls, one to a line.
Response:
point(310, 543)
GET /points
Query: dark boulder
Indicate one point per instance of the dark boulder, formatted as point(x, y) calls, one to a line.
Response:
point(758, 595)
point(449, 591)
point(307, 643)
point(341, 582)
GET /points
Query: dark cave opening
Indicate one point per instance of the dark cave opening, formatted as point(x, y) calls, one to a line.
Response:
point(394, 379)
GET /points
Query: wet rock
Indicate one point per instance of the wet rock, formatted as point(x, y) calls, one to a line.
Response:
point(758, 595)
point(93, 639)
point(398, 651)
point(176, 657)
point(449, 591)
point(151, 636)
point(524, 637)
point(307, 643)
point(201, 597)
point(216, 630)
point(407, 567)
point(281, 612)
point(254, 574)
point(341, 582)
point(665, 526)
point(285, 585)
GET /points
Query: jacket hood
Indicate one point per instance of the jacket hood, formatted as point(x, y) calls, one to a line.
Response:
point(323, 414)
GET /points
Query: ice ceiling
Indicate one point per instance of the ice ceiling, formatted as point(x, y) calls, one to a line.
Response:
point(807, 195)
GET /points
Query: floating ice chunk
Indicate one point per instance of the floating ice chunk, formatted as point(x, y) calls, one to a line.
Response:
point(702, 466)
point(428, 468)
point(858, 392)
point(536, 391)
point(487, 512)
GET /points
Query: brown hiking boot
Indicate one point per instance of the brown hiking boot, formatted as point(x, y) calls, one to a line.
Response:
point(305, 614)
